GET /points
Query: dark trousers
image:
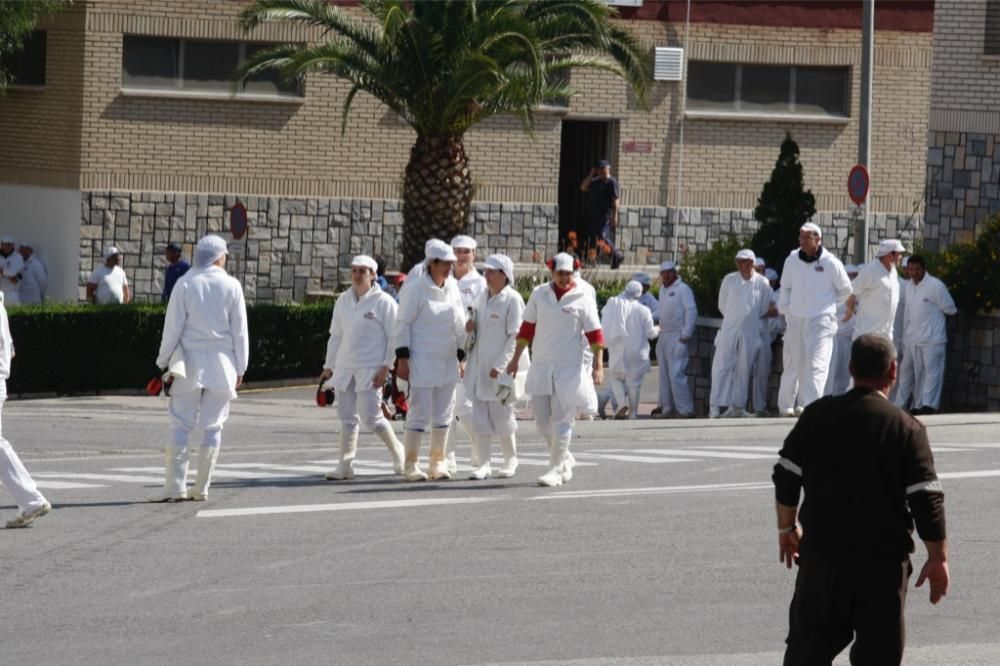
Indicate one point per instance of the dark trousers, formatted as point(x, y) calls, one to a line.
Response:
point(839, 599)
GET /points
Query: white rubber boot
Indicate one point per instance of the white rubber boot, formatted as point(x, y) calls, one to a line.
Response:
point(482, 453)
point(207, 455)
point(438, 467)
point(411, 445)
point(388, 437)
point(175, 464)
point(557, 473)
point(348, 451)
point(509, 447)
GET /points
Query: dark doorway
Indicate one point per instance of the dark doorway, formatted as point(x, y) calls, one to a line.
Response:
point(584, 142)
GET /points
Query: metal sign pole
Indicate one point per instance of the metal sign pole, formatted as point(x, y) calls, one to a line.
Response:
point(864, 124)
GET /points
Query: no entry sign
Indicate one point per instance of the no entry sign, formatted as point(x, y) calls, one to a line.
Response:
point(857, 184)
point(238, 221)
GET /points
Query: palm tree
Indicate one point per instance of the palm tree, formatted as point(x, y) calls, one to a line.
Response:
point(445, 65)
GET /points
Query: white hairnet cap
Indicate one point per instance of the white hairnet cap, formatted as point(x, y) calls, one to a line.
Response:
point(771, 274)
point(668, 266)
point(463, 242)
point(563, 262)
point(850, 268)
point(108, 252)
point(365, 261)
point(502, 263)
point(746, 253)
point(7, 238)
point(633, 289)
point(641, 278)
point(209, 249)
point(809, 226)
point(759, 261)
point(890, 245)
point(438, 249)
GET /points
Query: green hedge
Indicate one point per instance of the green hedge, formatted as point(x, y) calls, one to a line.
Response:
point(72, 349)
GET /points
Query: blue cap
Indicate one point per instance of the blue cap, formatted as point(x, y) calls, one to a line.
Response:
point(603, 163)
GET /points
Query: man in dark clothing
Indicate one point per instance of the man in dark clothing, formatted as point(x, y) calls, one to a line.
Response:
point(176, 267)
point(868, 474)
point(603, 194)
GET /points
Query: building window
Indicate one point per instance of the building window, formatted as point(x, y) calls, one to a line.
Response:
point(164, 63)
point(991, 40)
point(767, 89)
point(27, 66)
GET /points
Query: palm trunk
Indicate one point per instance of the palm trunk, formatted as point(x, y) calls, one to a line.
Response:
point(437, 194)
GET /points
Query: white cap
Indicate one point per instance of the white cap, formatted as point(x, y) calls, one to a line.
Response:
point(890, 245)
point(438, 249)
point(809, 226)
point(563, 262)
point(27, 243)
point(905, 261)
point(108, 252)
point(850, 268)
point(746, 253)
point(7, 238)
point(463, 242)
point(668, 266)
point(365, 261)
point(502, 263)
point(209, 249)
point(771, 274)
point(759, 261)
point(641, 278)
point(633, 289)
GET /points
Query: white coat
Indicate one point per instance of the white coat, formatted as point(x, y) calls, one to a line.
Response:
point(430, 322)
point(207, 318)
point(11, 267)
point(360, 341)
point(877, 293)
point(470, 286)
point(678, 310)
point(810, 289)
point(34, 281)
point(743, 304)
point(650, 302)
point(6, 346)
point(927, 304)
point(559, 343)
point(628, 327)
point(498, 320)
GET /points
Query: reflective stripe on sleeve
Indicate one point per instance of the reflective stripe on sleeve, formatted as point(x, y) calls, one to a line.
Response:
point(925, 486)
point(790, 466)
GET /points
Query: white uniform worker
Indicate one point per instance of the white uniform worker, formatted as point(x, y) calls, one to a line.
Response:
point(813, 282)
point(769, 328)
point(876, 292)
point(31, 504)
point(34, 277)
point(744, 301)
point(11, 266)
point(497, 314)
point(470, 283)
point(678, 314)
point(925, 337)
point(904, 382)
point(628, 327)
point(839, 378)
point(359, 356)
point(206, 324)
point(592, 407)
point(429, 340)
point(559, 320)
point(647, 297)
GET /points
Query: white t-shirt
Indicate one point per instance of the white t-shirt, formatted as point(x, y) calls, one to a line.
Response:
point(111, 283)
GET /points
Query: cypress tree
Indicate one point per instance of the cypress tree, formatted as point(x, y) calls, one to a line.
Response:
point(783, 207)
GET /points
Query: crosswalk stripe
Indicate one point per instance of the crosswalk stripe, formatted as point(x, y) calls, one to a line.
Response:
point(977, 474)
point(65, 485)
point(631, 458)
point(709, 454)
point(345, 506)
point(660, 490)
point(125, 478)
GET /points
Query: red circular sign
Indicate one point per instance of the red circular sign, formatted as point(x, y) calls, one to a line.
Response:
point(857, 184)
point(238, 222)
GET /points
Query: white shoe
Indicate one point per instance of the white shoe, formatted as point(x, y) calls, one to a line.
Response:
point(451, 464)
point(799, 410)
point(411, 446)
point(733, 413)
point(551, 478)
point(508, 470)
point(481, 473)
point(790, 413)
point(344, 472)
point(713, 413)
point(509, 447)
point(412, 472)
point(23, 519)
point(566, 472)
point(438, 467)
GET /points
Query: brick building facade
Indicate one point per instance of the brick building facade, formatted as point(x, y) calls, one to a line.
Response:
point(93, 158)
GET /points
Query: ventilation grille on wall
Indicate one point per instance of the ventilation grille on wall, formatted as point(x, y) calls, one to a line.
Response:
point(668, 64)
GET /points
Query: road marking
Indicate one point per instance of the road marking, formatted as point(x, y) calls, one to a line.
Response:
point(125, 478)
point(631, 458)
point(345, 506)
point(709, 454)
point(978, 474)
point(66, 485)
point(661, 490)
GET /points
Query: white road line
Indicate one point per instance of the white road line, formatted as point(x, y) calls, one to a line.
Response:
point(661, 490)
point(125, 478)
point(977, 474)
point(630, 458)
point(66, 485)
point(762, 449)
point(709, 454)
point(345, 506)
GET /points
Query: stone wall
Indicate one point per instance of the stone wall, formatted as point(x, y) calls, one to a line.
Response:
point(972, 370)
point(963, 169)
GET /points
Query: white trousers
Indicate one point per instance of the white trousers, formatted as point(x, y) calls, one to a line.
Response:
point(810, 342)
point(624, 392)
point(356, 408)
point(206, 409)
point(838, 381)
point(731, 373)
point(552, 418)
point(672, 357)
point(490, 417)
point(430, 407)
point(788, 386)
point(761, 373)
point(13, 474)
point(903, 389)
point(928, 374)
point(463, 405)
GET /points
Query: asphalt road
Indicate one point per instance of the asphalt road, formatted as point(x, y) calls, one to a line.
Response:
point(662, 550)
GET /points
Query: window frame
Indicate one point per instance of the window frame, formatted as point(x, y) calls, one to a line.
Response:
point(33, 87)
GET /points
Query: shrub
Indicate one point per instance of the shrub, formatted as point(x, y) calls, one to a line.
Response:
point(783, 207)
point(969, 269)
point(704, 271)
point(71, 349)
